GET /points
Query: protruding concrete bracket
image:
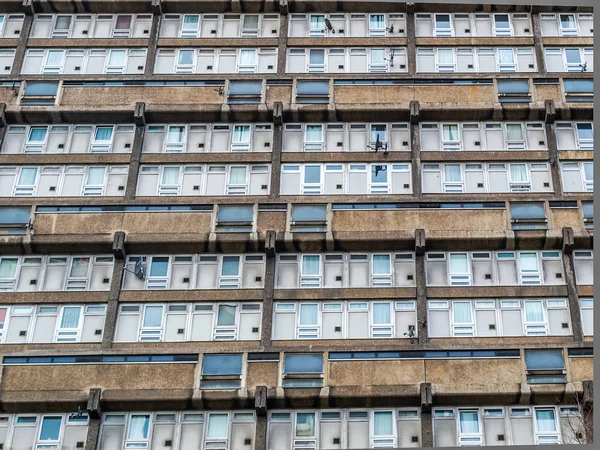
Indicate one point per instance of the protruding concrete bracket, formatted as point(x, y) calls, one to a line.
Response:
point(588, 393)
point(420, 241)
point(283, 7)
point(260, 400)
point(414, 111)
point(118, 246)
point(426, 397)
point(93, 404)
point(139, 115)
point(550, 111)
point(2, 115)
point(568, 240)
point(278, 113)
point(270, 242)
point(156, 7)
point(28, 7)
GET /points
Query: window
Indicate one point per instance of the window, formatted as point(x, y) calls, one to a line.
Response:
point(302, 370)
point(528, 216)
point(583, 260)
point(312, 91)
point(309, 218)
point(221, 372)
point(513, 91)
point(567, 25)
point(244, 92)
point(14, 220)
point(581, 90)
point(234, 219)
point(39, 93)
point(545, 366)
point(587, 315)
point(588, 215)
point(577, 176)
point(546, 428)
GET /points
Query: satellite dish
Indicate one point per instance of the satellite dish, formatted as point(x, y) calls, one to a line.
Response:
point(379, 168)
point(329, 26)
point(391, 29)
point(140, 269)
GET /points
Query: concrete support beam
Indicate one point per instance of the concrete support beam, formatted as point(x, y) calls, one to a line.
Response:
point(573, 297)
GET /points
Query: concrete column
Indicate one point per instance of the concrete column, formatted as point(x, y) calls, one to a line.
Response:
point(115, 290)
point(268, 292)
point(283, 32)
point(136, 150)
point(573, 297)
point(2, 122)
point(260, 405)
point(426, 420)
point(550, 115)
point(421, 282)
point(537, 41)
point(411, 48)
point(415, 148)
point(153, 39)
point(91, 441)
point(276, 151)
point(95, 414)
point(23, 37)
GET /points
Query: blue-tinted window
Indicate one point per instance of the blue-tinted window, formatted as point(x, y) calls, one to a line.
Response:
point(527, 211)
point(309, 213)
point(579, 90)
point(303, 363)
point(222, 365)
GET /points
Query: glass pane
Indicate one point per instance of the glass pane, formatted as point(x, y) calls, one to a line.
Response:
point(235, 214)
point(514, 132)
point(527, 211)
point(309, 314)
point(37, 134)
point(138, 427)
point(305, 424)
point(245, 87)
point(529, 262)
point(317, 22)
point(160, 266)
point(506, 56)
point(588, 170)
point(544, 359)
point(303, 363)
point(459, 263)
point(453, 173)
point(217, 426)
point(311, 264)
point(226, 315)
point(70, 318)
point(545, 420)
point(123, 23)
point(379, 132)
point(95, 176)
point(502, 21)
point(79, 267)
point(534, 312)
point(518, 173)
point(317, 57)
point(450, 132)
point(381, 265)
point(250, 22)
point(445, 56)
point(175, 134)
point(309, 212)
point(312, 174)
point(377, 56)
point(469, 422)
point(241, 133)
point(442, 21)
point(381, 314)
point(383, 423)
point(312, 87)
point(462, 312)
point(153, 316)
point(567, 21)
point(50, 430)
point(231, 266)
point(190, 22)
point(117, 58)
point(54, 58)
point(376, 21)
point(27, 176)
point(379, 174)
point(8, 267)
point(314, 133)
point(247, 57)
point(573, 56)
point(584, 131)
point(62, 23)
point(186, 57)
point(222, 365)
point(237, 175)
point(103, 134)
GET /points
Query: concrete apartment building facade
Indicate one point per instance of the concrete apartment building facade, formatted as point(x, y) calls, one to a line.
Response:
point(288, 225)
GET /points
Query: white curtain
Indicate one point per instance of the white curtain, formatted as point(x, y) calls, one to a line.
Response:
point(314, 133)
point(450, 132)
point(459, 263)
point(241, 133)
point(534, 311)
point(545, 420)
point(175, 134)
point(186, 57)
point(506, 56)
point(453, 173)
point(247, 57)
point(305, 424)
point(309, 313)
point(8, 267)
point(518, 173)
point(462, 312)
point(27, 177)
point(70, 317)
point(79, 267)
point(117, 58)
point(54, 57)
point(311, 264)
point(138, 427)
point(469, 422)
point(381, 265)
point(170, 175)
point(190, 22)
point(103, 134)
point(317, 56)
point(376, 21)
point(237, 175)
point(381, 314)
point(231, 266)
point(383, 423)
point(37, 134)
point(226, 316)
point(317, 22)
point(529, 262)
point(153, 316)
point(445, 56)
point(95, 176)
point(377, 56)
point(250, 22)
point(514, 132)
